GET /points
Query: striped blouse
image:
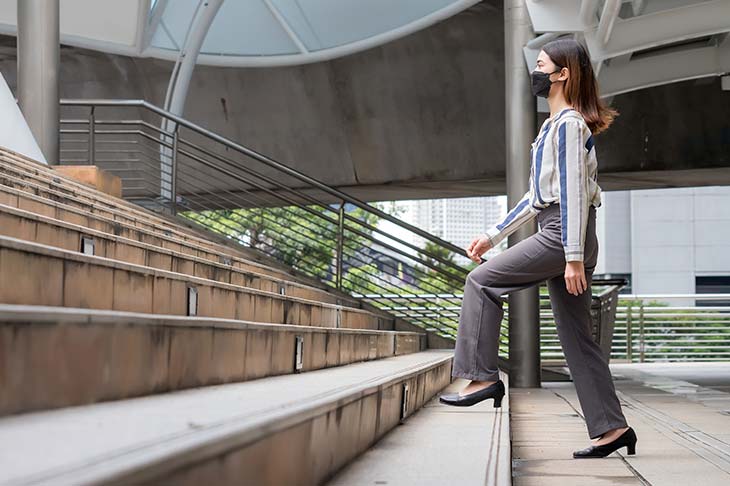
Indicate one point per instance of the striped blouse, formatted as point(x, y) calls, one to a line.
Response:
point(564, 171)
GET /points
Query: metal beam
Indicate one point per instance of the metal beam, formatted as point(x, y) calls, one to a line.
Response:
point(588, 9)
point(638, 7)
point(665, 68)
point(663, 27)
point(150, 29)
point(607, 20)
point(287, 28)
point(188, 56)
point(177, 90)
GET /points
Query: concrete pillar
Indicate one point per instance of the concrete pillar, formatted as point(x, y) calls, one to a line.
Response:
point(38, 70)
point(520, 129)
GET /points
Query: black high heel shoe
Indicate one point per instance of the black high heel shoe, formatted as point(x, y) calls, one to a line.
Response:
point(628, 439)
point(495, 390)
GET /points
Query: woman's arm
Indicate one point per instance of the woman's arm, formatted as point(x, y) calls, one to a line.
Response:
point(572, 189)
point(516, 217)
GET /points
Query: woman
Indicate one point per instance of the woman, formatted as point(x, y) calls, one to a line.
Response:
point(563, 194)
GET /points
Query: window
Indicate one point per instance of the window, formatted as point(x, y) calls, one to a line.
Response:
point(719, 284)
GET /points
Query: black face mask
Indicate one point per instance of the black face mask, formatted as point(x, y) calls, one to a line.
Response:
point(541, 83)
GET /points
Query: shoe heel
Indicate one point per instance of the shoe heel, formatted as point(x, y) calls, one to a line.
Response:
point(631, 449)
point(497, 402)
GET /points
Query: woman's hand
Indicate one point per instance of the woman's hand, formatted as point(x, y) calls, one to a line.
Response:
point(478, 246)
point(575, 277)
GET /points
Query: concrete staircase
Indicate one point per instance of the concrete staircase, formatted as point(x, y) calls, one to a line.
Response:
point(137, 350)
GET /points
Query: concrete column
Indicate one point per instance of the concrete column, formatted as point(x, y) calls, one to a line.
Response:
point(520, 125)
point(38, 70)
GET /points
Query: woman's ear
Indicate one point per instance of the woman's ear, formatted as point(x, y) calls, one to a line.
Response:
point(564, 74)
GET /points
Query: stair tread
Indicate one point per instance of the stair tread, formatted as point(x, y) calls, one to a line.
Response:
point(128, 218)
point(41, 249)
point(266, 265)
point(456, 445)
point(134, 213)
point(99, 441)
point(55, 314)
point(164, 251)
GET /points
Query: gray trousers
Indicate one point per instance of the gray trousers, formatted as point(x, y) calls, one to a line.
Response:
point(530, 262)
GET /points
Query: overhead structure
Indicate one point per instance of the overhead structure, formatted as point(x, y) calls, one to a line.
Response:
point(636, 44)
point(244, 33)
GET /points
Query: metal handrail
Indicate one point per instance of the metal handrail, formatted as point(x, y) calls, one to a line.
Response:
point(157, 157)
point(371, 209)
point(265, 160)
point(144, 148)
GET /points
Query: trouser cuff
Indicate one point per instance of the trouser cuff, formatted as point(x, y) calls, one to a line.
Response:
point(476, 376)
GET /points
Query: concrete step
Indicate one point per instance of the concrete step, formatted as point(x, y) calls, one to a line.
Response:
point(56, 357)
point(440, 445)
point(42, 180)
point(33, 171)
point(51, 187)
point(283, 430)
point(39, 178)
point(116, 222)
point(35, 274)
point(33, 204)
point(35, 178)
point(22, 195)
point(28, 226)
point(26, 165)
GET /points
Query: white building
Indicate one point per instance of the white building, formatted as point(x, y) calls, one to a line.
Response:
point(666, 241)
point(456, 220)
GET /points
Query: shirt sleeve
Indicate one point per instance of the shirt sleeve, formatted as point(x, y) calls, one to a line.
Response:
point(516, 217)
point(572, 187)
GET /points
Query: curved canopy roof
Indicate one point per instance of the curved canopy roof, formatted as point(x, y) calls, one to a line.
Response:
point(244, 32)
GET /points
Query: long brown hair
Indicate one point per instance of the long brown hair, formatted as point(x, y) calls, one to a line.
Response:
point(581, 88)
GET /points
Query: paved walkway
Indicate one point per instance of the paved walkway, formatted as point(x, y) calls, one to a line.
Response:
point(683, 429)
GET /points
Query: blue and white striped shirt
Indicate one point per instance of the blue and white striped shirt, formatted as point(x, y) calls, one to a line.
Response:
point(564, 171)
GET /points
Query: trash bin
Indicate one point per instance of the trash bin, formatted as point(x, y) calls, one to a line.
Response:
point(603, 313)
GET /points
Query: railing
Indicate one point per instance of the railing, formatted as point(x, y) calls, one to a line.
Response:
point(648, 330)
point(169, 164)
point(645, 329)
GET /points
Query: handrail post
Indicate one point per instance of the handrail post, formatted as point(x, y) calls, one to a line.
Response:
point(641, 332)
point(340, 243)
point(629, 344)
point(173, 172)
point(92, 137)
